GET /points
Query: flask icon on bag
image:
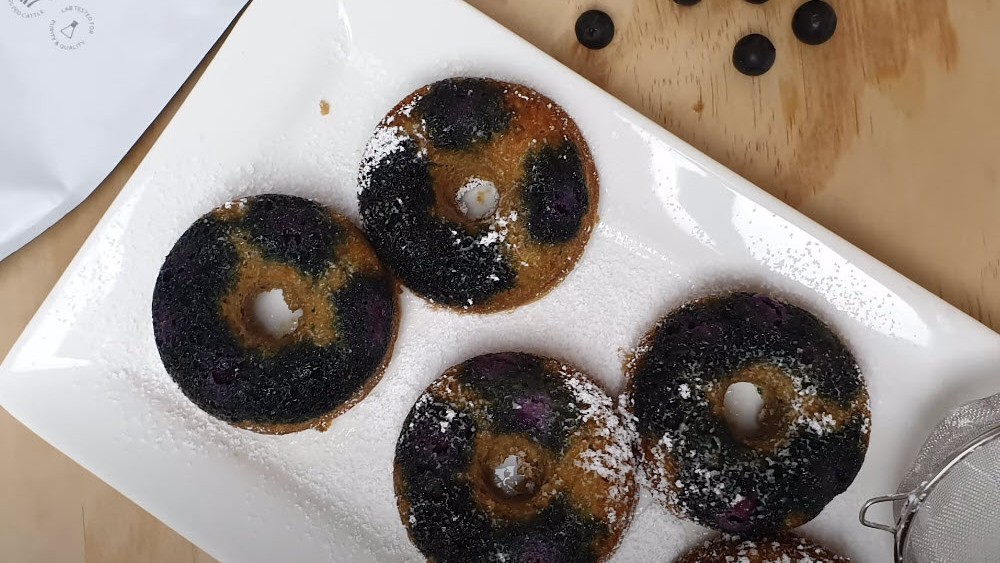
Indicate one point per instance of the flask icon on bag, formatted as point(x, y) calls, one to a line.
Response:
point(69, 29)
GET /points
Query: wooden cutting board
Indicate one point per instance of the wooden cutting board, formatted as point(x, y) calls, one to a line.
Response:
point(886, 134)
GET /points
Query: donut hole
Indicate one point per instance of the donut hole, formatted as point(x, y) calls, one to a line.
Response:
point(272, 314)
point(756, 403)
point(477, 199)
point(511, 471)
point(743, 404)
point(516, 476)
point(272, 305)
point(510, 475)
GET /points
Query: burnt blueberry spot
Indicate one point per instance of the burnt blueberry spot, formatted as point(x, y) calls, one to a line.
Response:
point(738, 518)
point(436, 259)
point(538, 419)
point(523, 399)
point(506, 375)
point(462, 112)
point(436, 438)
point(814, 22)
point(502, 365)
point(686, 2)
point(549, 418)
point(534, 413)
point(555, 193)
point(433, 449)
point(166, 326)
point(707, 331)
point(225, 367)
point(595, 29)
point(768, 311)
point(558, 534)
point(753, 55)
point(541, 551)
point(223, 375)
point(292, 230)
point(366, 311)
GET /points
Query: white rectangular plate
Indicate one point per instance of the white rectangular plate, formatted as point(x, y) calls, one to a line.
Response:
point(674, 224)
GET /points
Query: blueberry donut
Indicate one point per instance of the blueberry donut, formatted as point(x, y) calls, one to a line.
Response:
point(479, 194)
point(217, 349)
point(812, 430)
point(514, 458)
point(781, 549)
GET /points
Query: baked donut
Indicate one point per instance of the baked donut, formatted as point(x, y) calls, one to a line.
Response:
point(479, 194)
point(517, 458)
point(781, 549)
point(218, 352)
point(812, 430)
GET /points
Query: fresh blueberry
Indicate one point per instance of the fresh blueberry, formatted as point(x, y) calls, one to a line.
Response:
point(595, 29)
point(753, 55)
point(814, 22)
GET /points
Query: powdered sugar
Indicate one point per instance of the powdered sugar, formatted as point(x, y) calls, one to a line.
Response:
point(497, 231)
point(238, 204)
point(385, 141)
point(614, 462)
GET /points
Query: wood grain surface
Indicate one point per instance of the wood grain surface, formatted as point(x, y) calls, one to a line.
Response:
point(886, 135)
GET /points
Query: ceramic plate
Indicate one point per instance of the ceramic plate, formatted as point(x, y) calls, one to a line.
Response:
point(673, 225)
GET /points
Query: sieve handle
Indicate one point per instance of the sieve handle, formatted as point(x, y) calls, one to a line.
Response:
point(863, 516)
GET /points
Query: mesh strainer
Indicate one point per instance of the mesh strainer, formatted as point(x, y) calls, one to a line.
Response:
point(946, 509)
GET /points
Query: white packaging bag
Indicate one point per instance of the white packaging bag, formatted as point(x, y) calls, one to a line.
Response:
point(80, 80)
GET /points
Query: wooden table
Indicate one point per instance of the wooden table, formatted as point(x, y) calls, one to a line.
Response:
point(887, 135)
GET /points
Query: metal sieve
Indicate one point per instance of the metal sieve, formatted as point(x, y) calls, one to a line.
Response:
point(946, 509)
